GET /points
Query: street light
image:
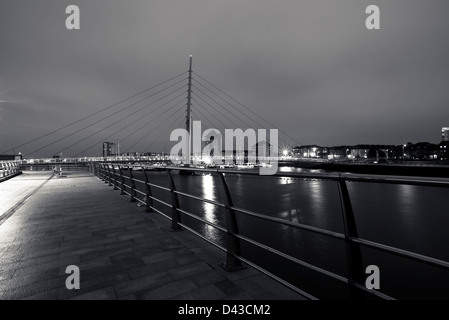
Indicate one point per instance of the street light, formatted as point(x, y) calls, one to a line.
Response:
point(403, 153)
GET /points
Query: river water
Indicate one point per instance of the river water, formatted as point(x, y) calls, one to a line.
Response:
point(414, 218)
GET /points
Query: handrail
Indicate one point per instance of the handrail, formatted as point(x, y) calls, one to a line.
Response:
point(9, 169)
point(234, 258)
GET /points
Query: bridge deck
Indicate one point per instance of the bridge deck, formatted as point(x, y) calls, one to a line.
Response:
point(49, 223)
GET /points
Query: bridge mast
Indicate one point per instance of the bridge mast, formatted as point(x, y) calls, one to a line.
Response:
point(189, 97)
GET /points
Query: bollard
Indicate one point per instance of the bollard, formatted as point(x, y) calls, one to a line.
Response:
point(148, 195)
point(133, 185)
point(356, 271)
point(232, 263)
point(175, 214)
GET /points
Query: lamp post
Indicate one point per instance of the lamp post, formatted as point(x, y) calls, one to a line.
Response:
point(403, 153)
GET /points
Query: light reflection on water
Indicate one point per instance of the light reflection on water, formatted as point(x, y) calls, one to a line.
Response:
point(209, 190)
point(408, 199)
point(410, 217)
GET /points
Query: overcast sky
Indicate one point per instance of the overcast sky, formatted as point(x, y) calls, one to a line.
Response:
point(310, 67)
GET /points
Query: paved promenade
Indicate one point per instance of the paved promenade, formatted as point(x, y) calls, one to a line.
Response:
point(48, 223)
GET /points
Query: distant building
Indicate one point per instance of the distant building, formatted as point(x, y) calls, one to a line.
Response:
point(445, 134)
point(443, 152)
point(6, 157)
point(422, 151)
point(308, 151)
point(108, 149)
point(357, 153)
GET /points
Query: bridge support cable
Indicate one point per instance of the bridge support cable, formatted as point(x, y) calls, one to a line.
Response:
point(219, 112)
point(145, 125)
point(242, 105)
point(200, 115)
point(228, 103)
point(104, 118)
point(179, 121)
point(160, 124)
point(212, 115)
point(93, 114)
point(137, 120)
point(107, 127)
point(166, 131)
point(246, 124)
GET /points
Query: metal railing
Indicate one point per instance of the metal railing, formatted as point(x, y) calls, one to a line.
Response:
point(9, 169)
point(113, 175)
point(65, 166)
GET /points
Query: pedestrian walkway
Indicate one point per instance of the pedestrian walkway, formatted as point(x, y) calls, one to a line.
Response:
point(48, 223)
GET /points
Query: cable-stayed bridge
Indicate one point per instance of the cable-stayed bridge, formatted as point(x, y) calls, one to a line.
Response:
point(139, 126)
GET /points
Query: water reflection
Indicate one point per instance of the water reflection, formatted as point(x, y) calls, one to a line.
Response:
point(409, 217)
point(407, 205)
point(299, 170)
point(209, 192)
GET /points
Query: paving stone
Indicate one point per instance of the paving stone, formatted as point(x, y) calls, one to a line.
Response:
point(228, 287)
point(156, 267)
point(47, 295)
point(167, 291)
point(93, 284)
point(206, 278)
point(189, 270)
point(100, 294)
point(122, 252)
point(209, 292)
point(142, 284)
point(167, 255)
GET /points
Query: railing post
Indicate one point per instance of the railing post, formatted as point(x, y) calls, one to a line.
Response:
point(115, 177)
point(148, 195)
point(106, 173)
point(122, 181)
point(108, 166)
point(233, 243)
point(133, 185)
point(354, 260)
point(175, 214)
point(100, 172)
